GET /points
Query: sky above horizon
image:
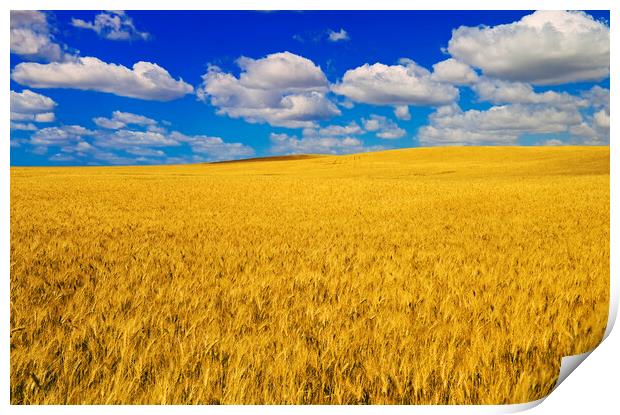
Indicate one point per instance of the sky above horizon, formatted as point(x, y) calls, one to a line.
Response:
point(155, 87)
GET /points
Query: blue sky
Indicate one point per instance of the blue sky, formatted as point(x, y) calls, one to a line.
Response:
point(213, 85)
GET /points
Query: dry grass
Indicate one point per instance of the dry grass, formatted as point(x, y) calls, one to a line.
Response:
point(448, 275)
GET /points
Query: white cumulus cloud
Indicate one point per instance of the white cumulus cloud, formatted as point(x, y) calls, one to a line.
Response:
point(288, 144)
point(402, 112)
point(506, 92)
point(383, 127)
point(145, 152)
point(32, 38)
point(543, 48)
point(30, 106)
point(403, 84)
point(552, 142)
point(23, 126)
point(113, 25)
point(338, 36)
point(122, 119)
point(282, 89)
point(214, 148)
point(59, 136)
point(601, 119)
point(594, 130)
point(501, 125)
point(454, 72)
point(597, 96)
point(118, 142)
point(145, 80)
point(339, 130)
point(120, 139)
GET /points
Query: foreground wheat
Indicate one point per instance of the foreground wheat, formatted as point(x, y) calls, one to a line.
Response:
point(448, 275)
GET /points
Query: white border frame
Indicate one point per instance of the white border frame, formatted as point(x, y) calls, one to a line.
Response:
point(592, 388)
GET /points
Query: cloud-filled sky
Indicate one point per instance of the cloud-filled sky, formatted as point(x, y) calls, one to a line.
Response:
point(153, 87)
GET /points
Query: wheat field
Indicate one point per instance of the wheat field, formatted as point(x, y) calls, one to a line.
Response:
point(418, 276)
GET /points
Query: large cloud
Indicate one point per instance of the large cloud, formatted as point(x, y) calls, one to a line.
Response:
point(544, 48)
point(31, 37)
point(281, 89)
point(30, 106)
point(113, 25)
point(403, 84)
point(145, 81)
point(498, 125)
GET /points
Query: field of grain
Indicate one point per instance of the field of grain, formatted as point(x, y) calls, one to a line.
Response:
point(445, 275)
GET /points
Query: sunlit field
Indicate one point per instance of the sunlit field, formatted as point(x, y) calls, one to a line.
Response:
point(421, 276)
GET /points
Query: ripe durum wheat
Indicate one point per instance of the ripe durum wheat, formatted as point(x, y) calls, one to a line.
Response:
point(446, 275)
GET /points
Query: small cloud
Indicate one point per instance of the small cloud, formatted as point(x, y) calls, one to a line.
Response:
point(338, 130)
point(552, 142)
point(383, 127)
point(17, 142)
point(45, 117)
point(210, 148)
point(30, 106)
point(113, 25)
point(402, 112)
point(23, 126)
point(339, 36)
point(145, 152)
point(322, 35)
point(32, 37)
point(601, 118)
point(122, 119)
point(346, 104)
point(60, 157)
point(454, 72)
point(60, 136)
